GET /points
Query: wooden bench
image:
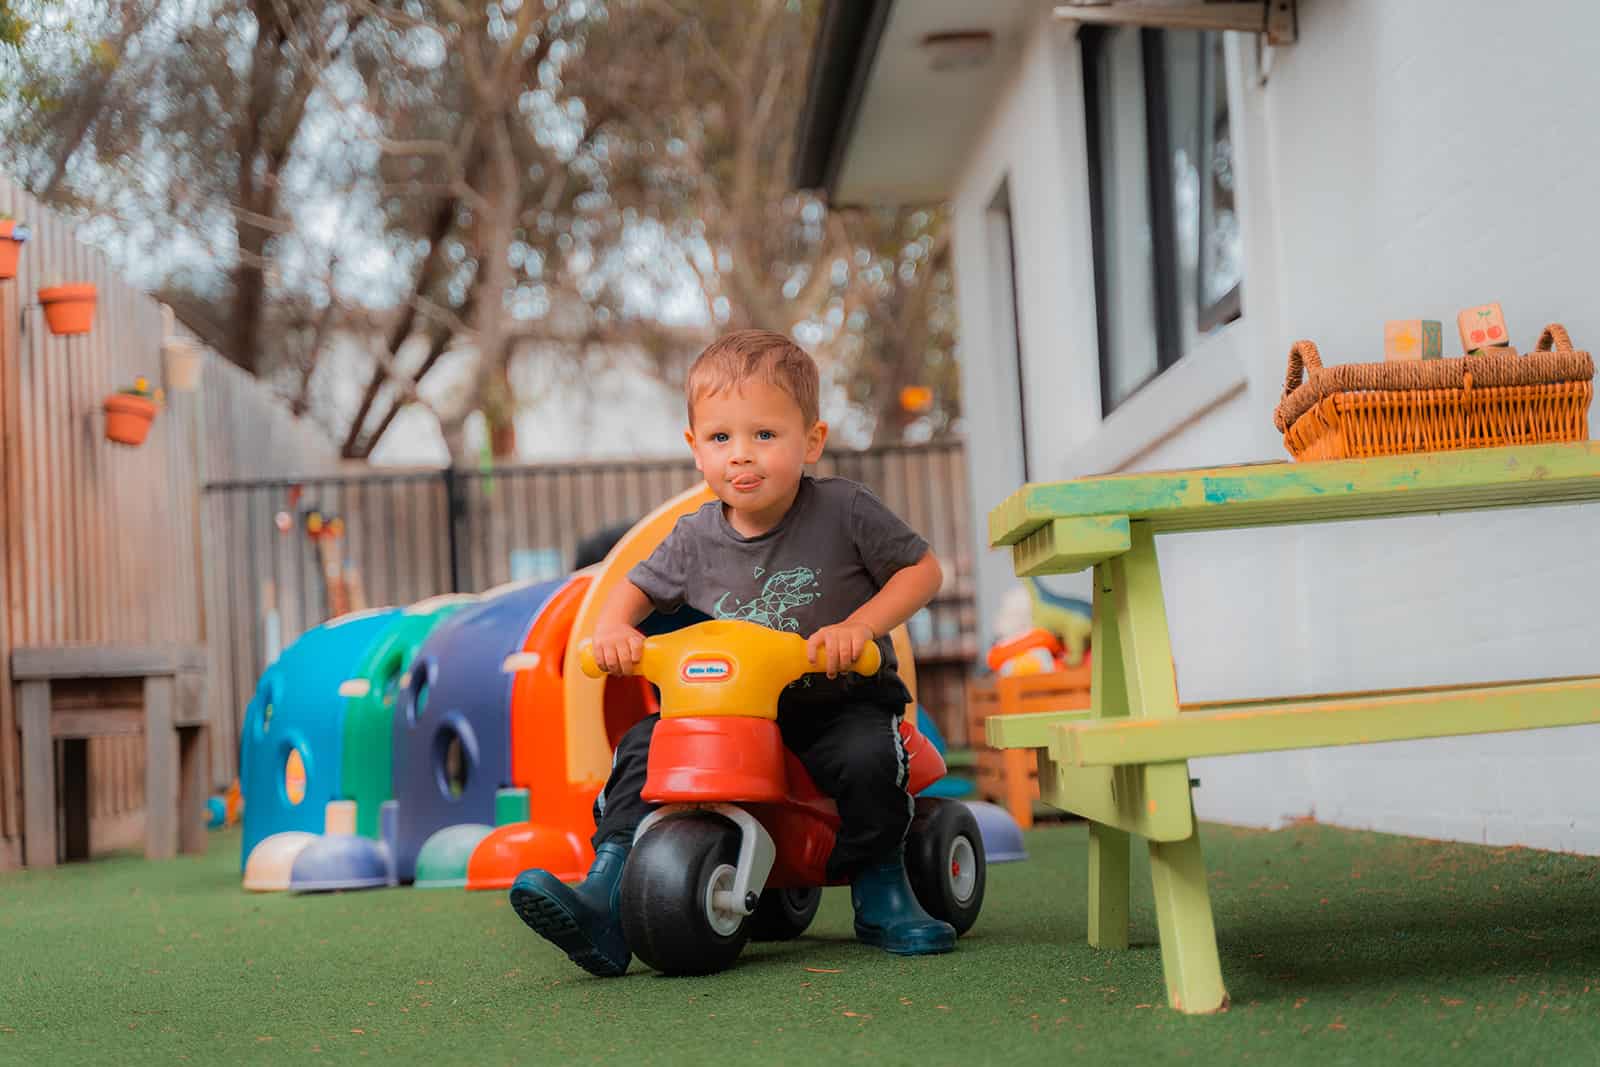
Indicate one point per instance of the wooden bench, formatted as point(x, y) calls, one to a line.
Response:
point(1010, 777)
point(70, 693)
point(1123, 763)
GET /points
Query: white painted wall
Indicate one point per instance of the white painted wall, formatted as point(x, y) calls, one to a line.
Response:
point(1382, 177)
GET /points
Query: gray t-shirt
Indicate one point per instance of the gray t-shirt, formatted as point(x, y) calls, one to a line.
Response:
point(831, 553)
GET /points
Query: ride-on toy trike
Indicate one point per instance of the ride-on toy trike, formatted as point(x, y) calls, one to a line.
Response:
point(739, 845)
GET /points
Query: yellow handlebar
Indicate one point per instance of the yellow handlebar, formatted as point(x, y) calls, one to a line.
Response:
point(726, 667)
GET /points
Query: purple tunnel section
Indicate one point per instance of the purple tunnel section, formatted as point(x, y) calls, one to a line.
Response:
point(452, 735)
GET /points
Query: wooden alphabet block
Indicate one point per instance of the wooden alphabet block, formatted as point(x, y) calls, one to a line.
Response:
point(1482, 327)
point(1413, 339)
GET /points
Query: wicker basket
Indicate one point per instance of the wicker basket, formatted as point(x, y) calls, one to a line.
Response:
point(1435, 405)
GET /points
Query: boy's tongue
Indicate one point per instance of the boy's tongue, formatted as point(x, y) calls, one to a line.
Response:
point(746, 482)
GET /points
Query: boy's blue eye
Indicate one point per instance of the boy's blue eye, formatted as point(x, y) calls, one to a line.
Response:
point(720, 438)
point(765, 435)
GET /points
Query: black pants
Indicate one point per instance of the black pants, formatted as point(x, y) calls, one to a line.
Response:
point(852, 751)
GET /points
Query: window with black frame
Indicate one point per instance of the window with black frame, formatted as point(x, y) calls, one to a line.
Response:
point(1168, 262)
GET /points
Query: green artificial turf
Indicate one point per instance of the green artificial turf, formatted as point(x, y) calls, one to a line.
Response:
point(1337, 947)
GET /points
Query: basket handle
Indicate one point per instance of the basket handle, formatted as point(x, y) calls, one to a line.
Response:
point(1303, 359)
point(1556, 334)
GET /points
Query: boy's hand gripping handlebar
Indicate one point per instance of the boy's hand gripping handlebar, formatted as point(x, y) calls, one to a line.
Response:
point(726, 667)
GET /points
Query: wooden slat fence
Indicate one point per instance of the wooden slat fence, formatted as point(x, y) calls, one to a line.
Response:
point(104, 543)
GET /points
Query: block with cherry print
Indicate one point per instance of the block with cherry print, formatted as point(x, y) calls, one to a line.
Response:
point(1482, 327)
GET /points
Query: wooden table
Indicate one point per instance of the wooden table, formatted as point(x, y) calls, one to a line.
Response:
point(73, 692)
point(1123, 763)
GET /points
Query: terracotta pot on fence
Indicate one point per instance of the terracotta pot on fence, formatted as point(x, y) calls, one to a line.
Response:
point(128, 418)
point(10, 249)
point(68, 308)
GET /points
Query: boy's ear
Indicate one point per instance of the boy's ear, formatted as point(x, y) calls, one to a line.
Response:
point(688, 436)
point(816, 437)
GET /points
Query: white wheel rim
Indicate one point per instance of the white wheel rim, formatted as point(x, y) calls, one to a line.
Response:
point(725, 921)
point(961, 867)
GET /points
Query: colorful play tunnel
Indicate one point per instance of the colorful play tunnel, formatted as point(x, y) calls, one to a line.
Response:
point(310, 756)
point(292, 740)
point(454, 743)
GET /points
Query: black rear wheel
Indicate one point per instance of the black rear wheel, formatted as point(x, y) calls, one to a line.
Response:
point(672, 913)
point(945, 862)
point(784, 914)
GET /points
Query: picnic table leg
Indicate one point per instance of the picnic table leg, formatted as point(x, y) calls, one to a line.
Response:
point(1189, 959)
point(1108, 886)
point(1108, 846)
point(1188, 933)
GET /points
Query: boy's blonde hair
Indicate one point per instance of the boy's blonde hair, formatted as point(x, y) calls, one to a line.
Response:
point(758, 355)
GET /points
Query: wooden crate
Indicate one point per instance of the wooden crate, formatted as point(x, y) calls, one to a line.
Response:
point(1010, 777)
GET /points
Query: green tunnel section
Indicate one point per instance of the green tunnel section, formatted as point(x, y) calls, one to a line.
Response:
point(367, 771)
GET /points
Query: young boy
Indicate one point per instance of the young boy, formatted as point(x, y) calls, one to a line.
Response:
point(818, 556)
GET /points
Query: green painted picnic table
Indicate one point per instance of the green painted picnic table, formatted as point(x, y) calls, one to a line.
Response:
point(1123, 764)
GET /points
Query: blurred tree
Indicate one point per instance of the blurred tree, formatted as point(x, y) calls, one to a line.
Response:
point(509, 180)
point(716, 116)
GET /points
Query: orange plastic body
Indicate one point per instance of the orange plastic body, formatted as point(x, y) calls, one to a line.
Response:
point(557, 836)
point(1038, 637)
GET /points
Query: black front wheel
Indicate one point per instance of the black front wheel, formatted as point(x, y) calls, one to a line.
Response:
point(784, 914)
point(676, 911)
point(945, 862)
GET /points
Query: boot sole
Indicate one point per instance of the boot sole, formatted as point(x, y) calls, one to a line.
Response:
point(555, 924)
point(876, 939)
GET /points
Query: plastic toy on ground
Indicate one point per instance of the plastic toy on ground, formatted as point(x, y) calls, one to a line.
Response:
point(340, 858)
point(1036, 639)
point(226, 808)
point(564, 724)
point(268, 864)
point(290, 744)
point(742, 835)
point(351, 853)
point(1065, 616)
point(1002, 836)
point(373, 687)
point(453, 732)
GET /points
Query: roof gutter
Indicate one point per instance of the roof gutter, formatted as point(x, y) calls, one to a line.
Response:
point(842, 55)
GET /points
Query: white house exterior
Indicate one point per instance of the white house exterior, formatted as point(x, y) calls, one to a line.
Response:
point(1398, 160)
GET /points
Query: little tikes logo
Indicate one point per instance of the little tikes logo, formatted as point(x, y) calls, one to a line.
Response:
point(707, 669)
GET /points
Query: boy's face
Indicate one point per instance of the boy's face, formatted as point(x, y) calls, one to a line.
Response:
point(752, 445)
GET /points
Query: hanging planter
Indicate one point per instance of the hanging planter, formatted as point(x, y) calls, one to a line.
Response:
point(182, 356)
point(183, 362)
point(12, 234)
point(129, 413)
point(68, 309)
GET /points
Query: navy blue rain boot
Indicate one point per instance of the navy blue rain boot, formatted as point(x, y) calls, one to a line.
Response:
point(888, 915)
point(582, 920)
